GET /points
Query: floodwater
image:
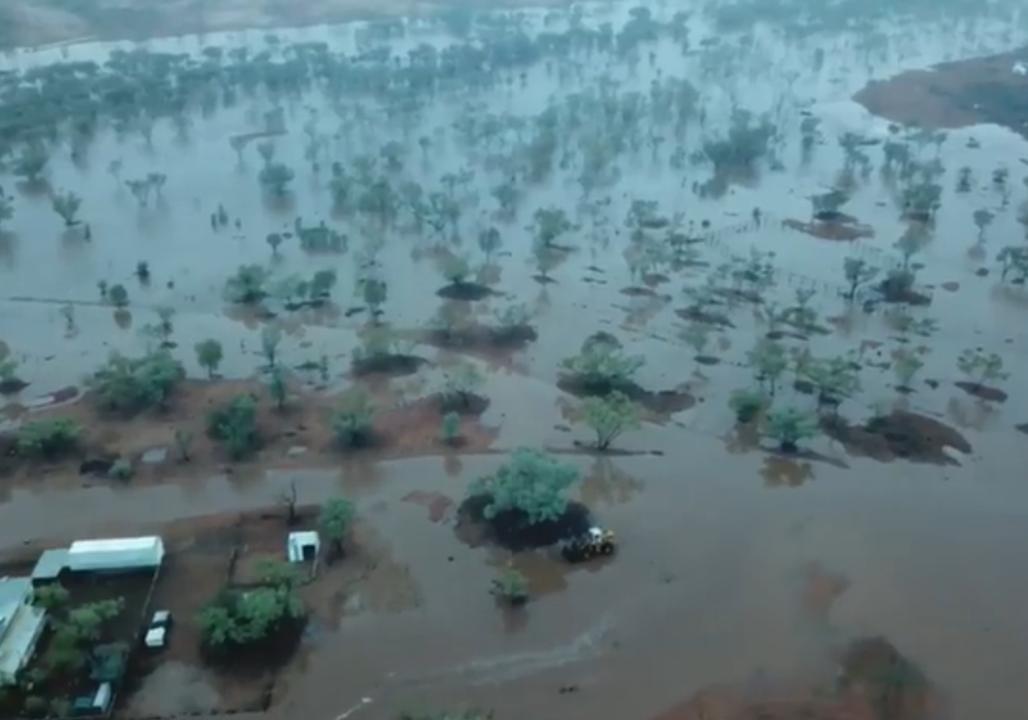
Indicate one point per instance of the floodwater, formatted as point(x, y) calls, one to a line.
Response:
point(711, 584)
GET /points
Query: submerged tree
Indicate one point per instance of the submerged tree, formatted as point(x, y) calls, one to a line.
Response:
point(609, 417)
point(858, 272)
point(132, 384)
point(247, 286)
point(906, 364)
point(67, 206)
point(601, 366)
point(550, 224)
point(32, 161)
point(981, 368)
point(529, 483)
point(335, 520)
point(1015, 263)
point(790, 426)
point(769, 361)
point(276, 178)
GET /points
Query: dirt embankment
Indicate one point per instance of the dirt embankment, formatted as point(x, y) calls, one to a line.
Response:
point(42, 22)
point(958, 94)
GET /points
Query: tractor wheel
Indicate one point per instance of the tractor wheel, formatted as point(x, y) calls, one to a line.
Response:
point(607, 548)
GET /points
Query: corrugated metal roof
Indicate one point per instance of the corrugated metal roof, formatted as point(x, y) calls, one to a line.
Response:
point(50, 564)
point(114, 544)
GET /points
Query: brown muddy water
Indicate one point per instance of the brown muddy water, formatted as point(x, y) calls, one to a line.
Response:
point(747, 582)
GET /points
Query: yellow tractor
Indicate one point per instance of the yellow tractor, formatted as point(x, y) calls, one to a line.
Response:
point(594, 542)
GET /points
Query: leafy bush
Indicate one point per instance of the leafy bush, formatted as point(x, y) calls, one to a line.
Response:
point(450, 428)
point(47, 438)
point(335, 520)
point(118, 295)
point(130, 385)
point(352, 421)
point(601, 365)
point(610, 416)
point(747, 404)
point(236, 619)
point(531, 483)
point(511, 587)
point(209, 354)
point(235, 425)
point(121, 470)
point(460, 384)
point(790, 426)
point(980, 367)
point(247, 286)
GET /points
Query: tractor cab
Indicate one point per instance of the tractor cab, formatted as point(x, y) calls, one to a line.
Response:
point(594, 542)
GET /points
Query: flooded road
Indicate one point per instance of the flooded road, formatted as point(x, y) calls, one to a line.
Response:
point(744, 575)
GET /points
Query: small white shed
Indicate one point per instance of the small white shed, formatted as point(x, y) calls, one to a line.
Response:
point(115, 554)
point(303, 546)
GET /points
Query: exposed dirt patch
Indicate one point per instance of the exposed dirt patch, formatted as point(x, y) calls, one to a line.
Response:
point(956, 94)
point(843, 228)
point(982, 392)
point(899, 435)
point(663, 403)
point(511, 529)
point(300, 436)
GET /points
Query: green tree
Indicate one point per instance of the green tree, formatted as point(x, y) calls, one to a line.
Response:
point(235, 425)
point(271, 337)
point(247, 286)
point(53, 598)
point(450, 428)
point(530, 483)
point(981, 368)
point(237, 619)
point(455, 268)
point(769, 362)
point(460, 384)
point(32, 161)
point(790, 426)
point(118, 295)
point(835, 378)
point(601, 365)
point(1015, 261)
point(609, 417)
point(47, 439)
point(906, 364)
point(279, 388)
point(209, 355)
point(274, 240)
point(335, 520)
point(130, 385)
point(275, 177)
point(510, 587)
point(66, 205)
point(321, 285)
point(549, 224)
point(352, 420)
point(858, 273)
point(747, 404)
point(375, 292)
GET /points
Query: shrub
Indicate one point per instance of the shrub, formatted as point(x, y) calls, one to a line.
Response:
point(460, 385)
point(790, 426)
point(247, 285)
point(335, 520)
point(510, 587)
point(121, 470)
point(747, 404)
point(450, 428)
point(610, 416)
point(531, 483)
point(601, 365)
point(237, 619)
point(118, 295)
point(209, 354)
point(47, 438)
point(133, 384)
point(352, 421)
point(235, 425)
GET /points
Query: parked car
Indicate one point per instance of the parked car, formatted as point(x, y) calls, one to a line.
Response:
point(157, 632)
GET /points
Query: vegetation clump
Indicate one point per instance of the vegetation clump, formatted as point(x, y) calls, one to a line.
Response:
point(602, 366)
point(352, 420)
point(130, 385)
point(47, 439)
point(239, 619)
point(235, 425)
point(531, 484)
point(609, 417)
